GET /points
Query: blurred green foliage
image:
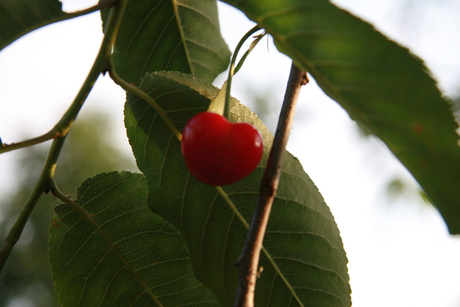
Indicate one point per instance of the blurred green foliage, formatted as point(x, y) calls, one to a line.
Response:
point(26, 279)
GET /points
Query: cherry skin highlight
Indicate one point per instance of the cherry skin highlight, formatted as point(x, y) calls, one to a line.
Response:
point(218, 152)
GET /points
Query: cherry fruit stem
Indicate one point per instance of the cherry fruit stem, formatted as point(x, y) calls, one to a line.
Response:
point(249, 259)
point(232, 71)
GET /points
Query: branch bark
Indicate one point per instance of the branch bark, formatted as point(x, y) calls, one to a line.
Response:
point(249, 258)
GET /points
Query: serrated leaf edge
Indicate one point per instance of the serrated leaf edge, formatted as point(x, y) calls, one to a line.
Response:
point(80, 210)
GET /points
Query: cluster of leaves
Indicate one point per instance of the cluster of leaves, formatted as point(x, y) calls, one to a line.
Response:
point(164, 237)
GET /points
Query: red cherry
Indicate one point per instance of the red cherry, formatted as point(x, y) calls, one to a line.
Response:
point(218, 152)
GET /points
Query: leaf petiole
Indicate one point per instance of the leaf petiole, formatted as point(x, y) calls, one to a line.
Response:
point(141, 94)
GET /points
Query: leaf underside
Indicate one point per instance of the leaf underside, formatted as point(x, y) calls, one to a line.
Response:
point(379, 83)
point(304, 263)
point(170, 35)
point(18, 17)
point(88, 273)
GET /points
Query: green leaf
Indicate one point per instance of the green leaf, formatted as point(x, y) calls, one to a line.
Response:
point(379, 83)
point(87, 272)
point(170, 35)
point(18, 17)
point(304, 263)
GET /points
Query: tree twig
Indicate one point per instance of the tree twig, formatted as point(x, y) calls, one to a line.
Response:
point(34, 141)
point(42, 185)
point(249, 258)
point(44, 182)
point(56, 131)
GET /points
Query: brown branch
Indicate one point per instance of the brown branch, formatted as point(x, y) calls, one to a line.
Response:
point(249, 258)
